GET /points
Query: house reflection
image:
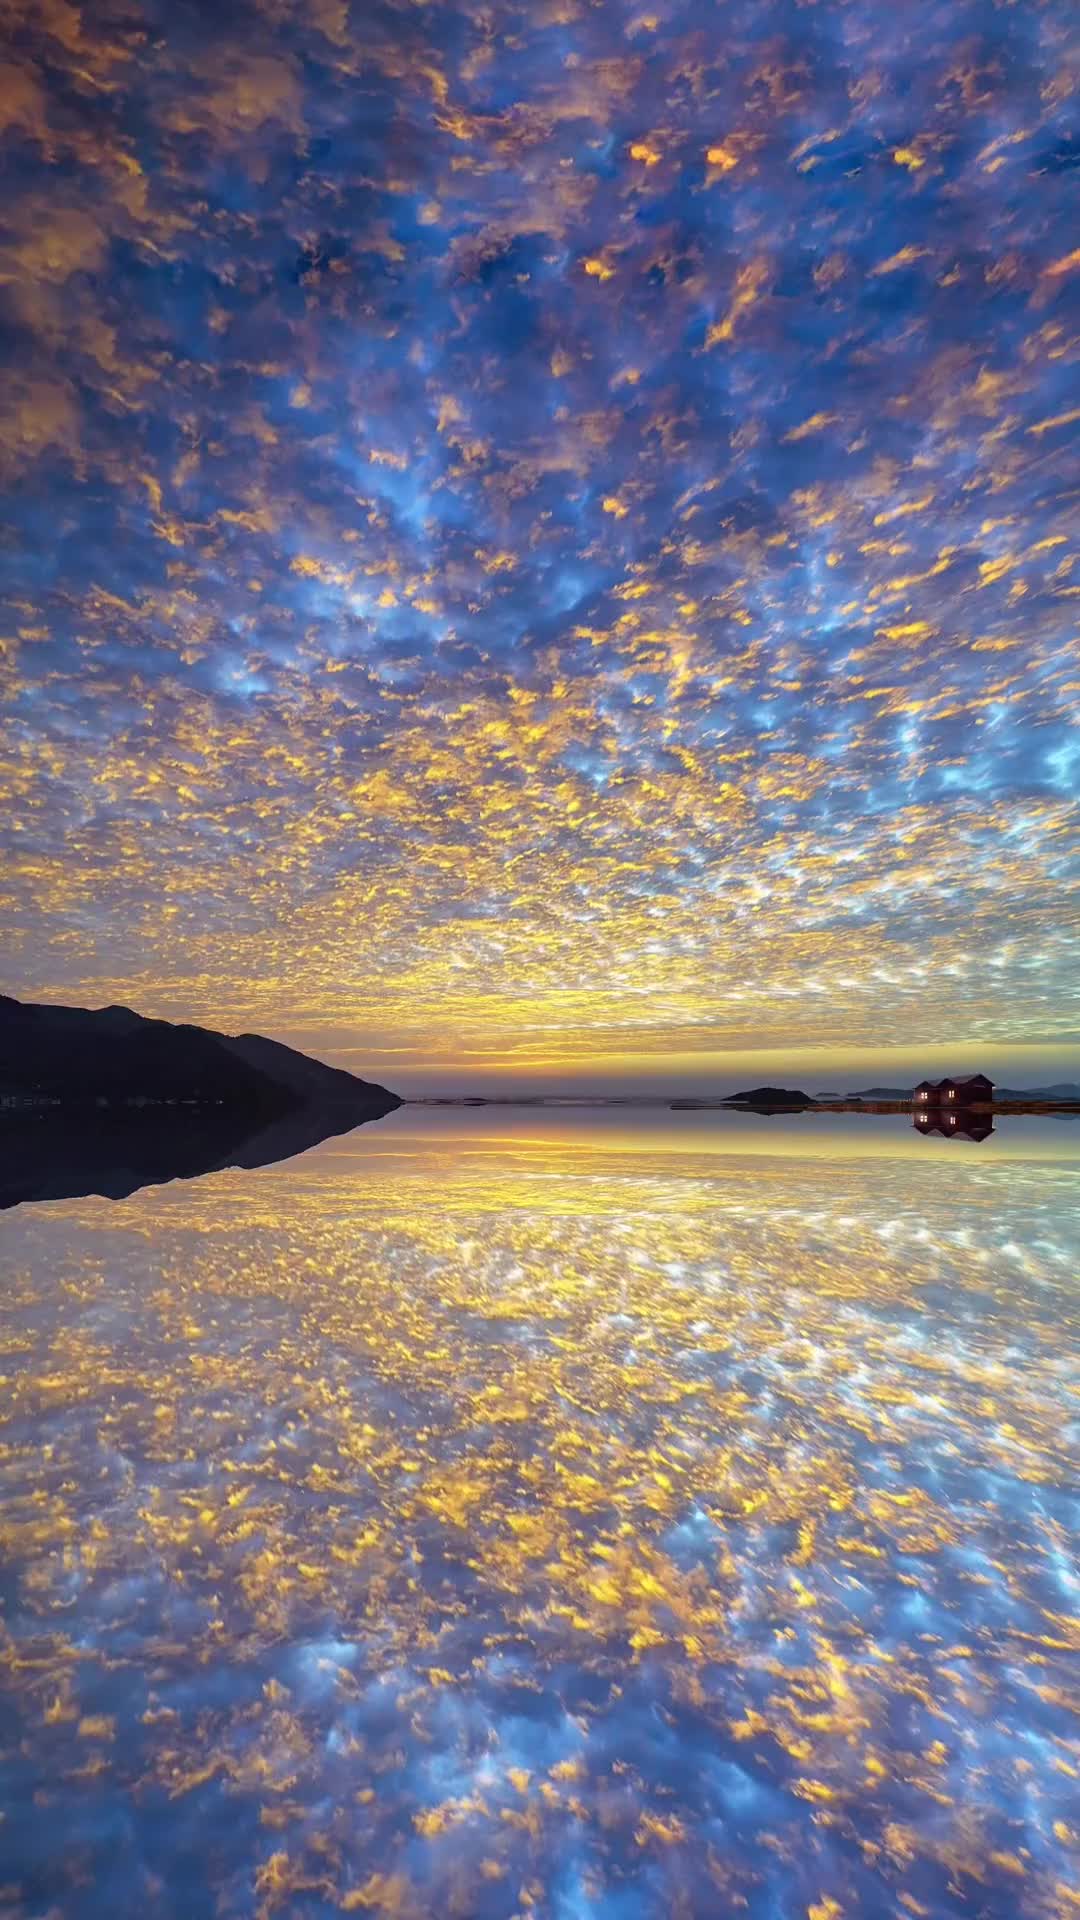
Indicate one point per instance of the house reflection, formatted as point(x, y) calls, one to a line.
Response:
point(966, 1126)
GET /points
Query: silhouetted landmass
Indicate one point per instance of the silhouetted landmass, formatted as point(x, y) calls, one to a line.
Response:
point(106, 1101)
point(770, 1097)
point(113, 1056)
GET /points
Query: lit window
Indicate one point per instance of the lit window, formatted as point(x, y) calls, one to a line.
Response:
point(952, 1093)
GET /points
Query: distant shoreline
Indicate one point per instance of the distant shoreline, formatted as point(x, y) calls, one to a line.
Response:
point(681, 1103)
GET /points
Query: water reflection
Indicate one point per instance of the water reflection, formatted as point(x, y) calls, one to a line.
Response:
point(50, 1154)
point(955, 1126)
point(446, 1525)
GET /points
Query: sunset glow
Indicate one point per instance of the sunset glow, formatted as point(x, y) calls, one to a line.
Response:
point(542, 541)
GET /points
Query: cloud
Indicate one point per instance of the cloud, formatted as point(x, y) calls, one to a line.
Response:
point(551, 541)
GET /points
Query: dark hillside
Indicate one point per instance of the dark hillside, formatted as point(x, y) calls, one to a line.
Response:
point(78, 1057)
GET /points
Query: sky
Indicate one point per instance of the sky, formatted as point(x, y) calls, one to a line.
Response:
point(539, 543)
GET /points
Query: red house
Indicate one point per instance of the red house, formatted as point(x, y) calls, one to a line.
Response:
point(973, 1090)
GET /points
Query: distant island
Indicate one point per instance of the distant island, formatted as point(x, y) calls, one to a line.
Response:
point(761, 1099)
point(104, 1101)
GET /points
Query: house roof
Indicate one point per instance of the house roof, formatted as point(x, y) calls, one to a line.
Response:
point(958, 1080)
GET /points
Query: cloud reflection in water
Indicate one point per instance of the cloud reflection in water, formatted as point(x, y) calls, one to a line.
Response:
point(497, 1534)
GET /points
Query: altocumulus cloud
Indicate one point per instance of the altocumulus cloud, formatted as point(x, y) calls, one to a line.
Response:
point(545, 529)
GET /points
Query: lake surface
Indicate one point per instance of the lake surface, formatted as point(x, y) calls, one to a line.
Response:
point(548, 1515)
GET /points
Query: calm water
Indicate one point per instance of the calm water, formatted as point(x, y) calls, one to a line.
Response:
point(496, 1515)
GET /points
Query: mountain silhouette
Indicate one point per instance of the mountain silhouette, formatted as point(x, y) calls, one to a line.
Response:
point(770, 1097)
point(106, 1101)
